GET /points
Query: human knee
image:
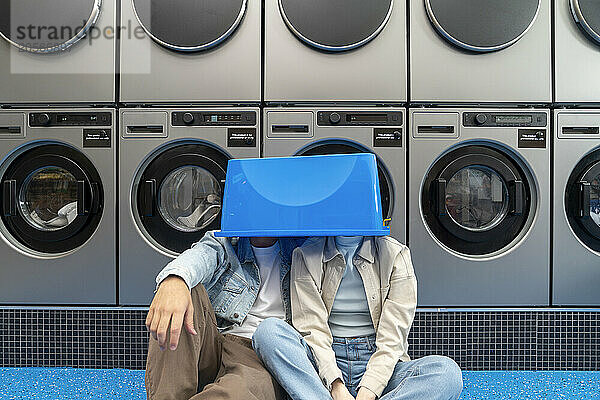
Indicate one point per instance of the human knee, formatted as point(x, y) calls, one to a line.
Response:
point(448, 373)
point(269, 332)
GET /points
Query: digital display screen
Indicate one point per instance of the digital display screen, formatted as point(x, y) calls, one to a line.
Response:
point(223, 118)
point(514, 119)
point(366, 117)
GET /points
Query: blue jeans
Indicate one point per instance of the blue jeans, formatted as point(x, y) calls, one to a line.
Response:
point(289, 359)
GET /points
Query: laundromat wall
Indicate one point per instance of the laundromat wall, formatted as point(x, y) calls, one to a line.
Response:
point(484, 117)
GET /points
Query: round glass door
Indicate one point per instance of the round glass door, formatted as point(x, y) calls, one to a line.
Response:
point(48, 199)
point(582, 200)
point(52, 199)
point(47, 26)
point(344, 147)
point(587, 16)
point(336, 25)
point(189, 25)
point(178, 196)
point(476, 200)
point(482, 25)
point(190, 199)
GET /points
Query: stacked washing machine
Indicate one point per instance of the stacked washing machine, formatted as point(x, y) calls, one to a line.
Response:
point(191, 89)
point(57, 152)
point(479, 186)
point(576, 244)
point(335, 82)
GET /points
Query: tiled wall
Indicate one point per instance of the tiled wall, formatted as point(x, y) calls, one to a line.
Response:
point(477, 340)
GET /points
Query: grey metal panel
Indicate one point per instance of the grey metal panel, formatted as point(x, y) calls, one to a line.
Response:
point(84, 73)
point(228, 73)
point(297, 73)
point(140, 259)
point(86, 275)
point(394, 159)
point(576, 268)
point(517, 276)
point(577, 57)
point(482, 25)
point(441, 72)
point(336, 25)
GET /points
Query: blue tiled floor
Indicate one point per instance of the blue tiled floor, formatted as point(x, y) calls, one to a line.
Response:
point(81, 384)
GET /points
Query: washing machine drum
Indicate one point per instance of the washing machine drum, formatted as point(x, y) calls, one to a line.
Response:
point(336, 25)
point(482, 25)
point(179, 195)
point(52, 199)
point(476, 200)
point(587, 17)
point(189, 25)
point(582, 200)
point(47, 26)
point(344, 147)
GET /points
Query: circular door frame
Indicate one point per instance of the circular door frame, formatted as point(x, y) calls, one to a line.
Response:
point(81, 229)
point(192, 49)
point(584, 228)
point(460, 239)
point(582, 22)
point(91, 21)
point(159, 167)
point(385, 191)
point(438, 26)
point(336, 49)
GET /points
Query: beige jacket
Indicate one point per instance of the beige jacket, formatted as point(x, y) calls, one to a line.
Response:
point(391, 287)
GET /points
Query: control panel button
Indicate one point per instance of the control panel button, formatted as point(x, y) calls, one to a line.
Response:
point(335, 118)
point(480, 119)
point(188, 118)
point(44, 119)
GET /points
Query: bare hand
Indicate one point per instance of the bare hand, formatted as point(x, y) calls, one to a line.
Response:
point(365, 394)
point(172, 305)
point(339, 391)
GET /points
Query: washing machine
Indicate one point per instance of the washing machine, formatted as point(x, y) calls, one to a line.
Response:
point(479, 225)
point(186, 51)
point(172, 166)
point(335, 51)
point(58, 51)
point(577, 51)
point(576, 242)
point(57, 218)
point(333, 130)
point(480, 51)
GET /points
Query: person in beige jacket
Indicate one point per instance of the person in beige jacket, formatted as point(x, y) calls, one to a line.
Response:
point(353, 304)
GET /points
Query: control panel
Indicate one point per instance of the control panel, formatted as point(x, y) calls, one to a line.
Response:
point(43, 119)
point(514, 119)
point(359, 118)
point(213, 118)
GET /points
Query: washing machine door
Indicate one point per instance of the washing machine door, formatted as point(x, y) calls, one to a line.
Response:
point(386, 187)
point(179, 195)
point(47, 26)
point(482, 25)
point(52, 199)
point(587, 17)
point(476, 200)
point(189, 25)
point(582, 200)
point(336, 25)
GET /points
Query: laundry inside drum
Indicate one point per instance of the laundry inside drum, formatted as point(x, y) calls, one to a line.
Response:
point(190, 199)
point(48, 198)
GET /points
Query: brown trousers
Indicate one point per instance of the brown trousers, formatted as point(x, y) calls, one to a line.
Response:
point(208, 366)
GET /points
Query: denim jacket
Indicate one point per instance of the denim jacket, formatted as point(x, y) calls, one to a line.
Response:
point(230, 275)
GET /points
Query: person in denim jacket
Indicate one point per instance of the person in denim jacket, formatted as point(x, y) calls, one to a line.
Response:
point(353, 304)
point(231, 293)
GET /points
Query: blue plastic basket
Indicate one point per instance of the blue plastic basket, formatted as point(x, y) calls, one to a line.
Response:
point(332, 195)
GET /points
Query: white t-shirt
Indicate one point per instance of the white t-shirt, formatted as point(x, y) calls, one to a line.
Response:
point(268, 302)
